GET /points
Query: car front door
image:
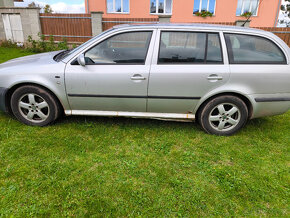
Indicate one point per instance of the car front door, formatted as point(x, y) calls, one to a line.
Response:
point(186, 66)
point(115, 77)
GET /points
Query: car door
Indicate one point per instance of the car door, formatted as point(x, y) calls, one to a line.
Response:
point(186, 65)
point(258, 63)
point(115, 77)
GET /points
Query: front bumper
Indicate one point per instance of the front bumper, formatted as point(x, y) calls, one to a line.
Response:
point(3, 92)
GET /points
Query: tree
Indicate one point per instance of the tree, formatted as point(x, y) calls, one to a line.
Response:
point(285, 8)
point(33, 5)
point(47, 9)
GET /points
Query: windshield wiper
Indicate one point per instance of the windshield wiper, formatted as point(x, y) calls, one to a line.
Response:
point(59, 56)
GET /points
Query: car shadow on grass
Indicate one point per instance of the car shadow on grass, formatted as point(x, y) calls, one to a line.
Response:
point(123, 121)
point(169, 125)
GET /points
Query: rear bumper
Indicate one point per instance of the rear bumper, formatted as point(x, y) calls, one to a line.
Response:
point(270, 104)
point(3, 106)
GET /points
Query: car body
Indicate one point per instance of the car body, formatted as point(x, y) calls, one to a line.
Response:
point(167, 71)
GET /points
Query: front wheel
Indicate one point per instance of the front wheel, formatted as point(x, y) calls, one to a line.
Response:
point(223, 115)
point(34, 106)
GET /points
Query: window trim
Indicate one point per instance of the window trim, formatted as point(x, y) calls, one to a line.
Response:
point(200, 5)
point(231, 56)
point(114, 7)
point(242, 9)
point(157, 8)
point(206, 46)
point(146, 55)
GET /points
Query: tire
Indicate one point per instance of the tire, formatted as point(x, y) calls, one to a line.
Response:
point(223, 115)
point(34, 106)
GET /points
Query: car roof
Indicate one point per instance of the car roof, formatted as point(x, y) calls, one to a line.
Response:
point(198, 26)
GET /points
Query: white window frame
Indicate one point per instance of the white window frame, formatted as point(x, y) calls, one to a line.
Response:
point(157, 8)
point(114, 7)
point(207, 7)
point(243, 5)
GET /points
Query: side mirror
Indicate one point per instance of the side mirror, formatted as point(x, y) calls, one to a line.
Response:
point(81, 60)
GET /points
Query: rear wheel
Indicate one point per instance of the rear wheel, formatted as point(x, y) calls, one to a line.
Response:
point(34, 106)
point(223, 115)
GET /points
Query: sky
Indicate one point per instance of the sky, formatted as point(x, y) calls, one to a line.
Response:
point(59, 6)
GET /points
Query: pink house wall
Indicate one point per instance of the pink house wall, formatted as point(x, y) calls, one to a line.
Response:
point(182, 11)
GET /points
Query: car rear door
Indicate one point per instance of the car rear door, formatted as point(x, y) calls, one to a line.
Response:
point(186, 65)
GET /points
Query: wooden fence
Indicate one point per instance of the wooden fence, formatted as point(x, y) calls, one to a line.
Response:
point(110, 22)
point(74, 27)
point(78, 27)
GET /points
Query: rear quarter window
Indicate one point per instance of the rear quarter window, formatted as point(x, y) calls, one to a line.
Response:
point(249, 49)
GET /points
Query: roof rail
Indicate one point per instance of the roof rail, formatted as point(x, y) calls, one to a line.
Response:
point(130, 23)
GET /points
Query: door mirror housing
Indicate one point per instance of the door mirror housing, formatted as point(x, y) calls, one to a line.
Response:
point(81, 60)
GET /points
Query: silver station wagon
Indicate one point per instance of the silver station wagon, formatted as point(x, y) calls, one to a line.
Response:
point(219, 75)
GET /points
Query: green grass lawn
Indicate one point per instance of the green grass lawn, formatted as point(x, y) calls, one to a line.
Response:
point(85, 166)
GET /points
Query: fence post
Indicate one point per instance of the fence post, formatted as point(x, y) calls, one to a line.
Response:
point(164, 18)
point(97, 18)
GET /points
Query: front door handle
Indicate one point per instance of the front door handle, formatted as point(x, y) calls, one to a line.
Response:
point(214, 77)
point(138, 77)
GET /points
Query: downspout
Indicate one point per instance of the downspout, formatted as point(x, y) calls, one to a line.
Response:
point(88, 7)
point(277, 14)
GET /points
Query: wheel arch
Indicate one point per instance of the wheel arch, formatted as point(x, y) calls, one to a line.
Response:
point(12, 89)
point(245, 99)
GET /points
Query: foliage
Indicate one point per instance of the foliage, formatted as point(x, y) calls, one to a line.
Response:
point(117, 167)
point(247, 14)
point(44, 46)
point(37, 46)
point(203, 14)
point(285, 8)
point(47, 9)
point(8, 44)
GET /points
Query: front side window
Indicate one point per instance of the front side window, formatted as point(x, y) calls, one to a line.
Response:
point(204, 5)
point(189, 48)
point(247, 6)
point(248, 49)
point(117, 6)
point(160, 6)
point(124, 48)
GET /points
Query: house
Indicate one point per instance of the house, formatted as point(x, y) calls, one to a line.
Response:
point(8, 3)
point(264, 12)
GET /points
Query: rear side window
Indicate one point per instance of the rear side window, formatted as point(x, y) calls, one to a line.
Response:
point(189, 48)
point(248, 49)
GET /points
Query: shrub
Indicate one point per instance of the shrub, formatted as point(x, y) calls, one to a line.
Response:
point(38, 46)
point(42, 45)
point(8, 44)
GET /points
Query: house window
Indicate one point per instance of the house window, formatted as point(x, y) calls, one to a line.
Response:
point(160, 6)
point(117, 6)
point(204, 5)
point(247, 6)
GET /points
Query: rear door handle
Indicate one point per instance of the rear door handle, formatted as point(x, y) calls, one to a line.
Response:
point(214, 77)
point(138, 77)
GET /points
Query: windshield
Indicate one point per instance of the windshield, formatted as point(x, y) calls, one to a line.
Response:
point(83, 45)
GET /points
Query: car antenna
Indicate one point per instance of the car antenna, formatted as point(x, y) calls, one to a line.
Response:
point(243, 25)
